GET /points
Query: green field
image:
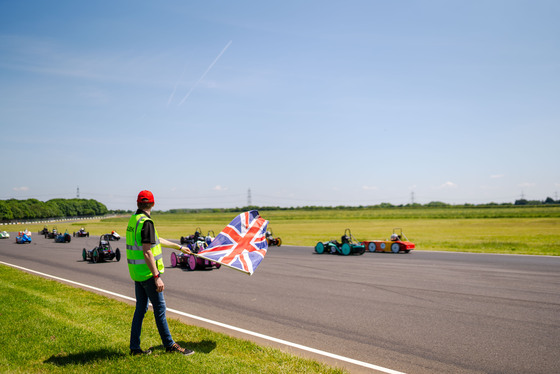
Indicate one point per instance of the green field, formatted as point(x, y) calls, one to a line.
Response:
point(509, 229)
point(49, 327)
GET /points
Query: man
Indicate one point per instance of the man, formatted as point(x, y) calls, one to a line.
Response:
point(145, 265)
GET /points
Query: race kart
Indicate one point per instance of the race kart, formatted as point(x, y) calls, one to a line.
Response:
point(51, 234)
point(81, 233)
point(197, 236)
point(63, 238)
point(209, 237)
point(23, 237)
point(4, 235)
point(395, 244)
point(110, 237)
point(348, 245)
point(113, 236)
point(192, 262)
point(271, 240)
point(44, 231)
point(103, 252)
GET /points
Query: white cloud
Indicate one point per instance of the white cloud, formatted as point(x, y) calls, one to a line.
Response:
point(527, 184)
point(448, 185)
point(22, 188)
point(369, 188)
point(220, 188)
point(495, 176)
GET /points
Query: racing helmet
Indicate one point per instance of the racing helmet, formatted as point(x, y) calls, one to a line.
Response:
point(394, 237)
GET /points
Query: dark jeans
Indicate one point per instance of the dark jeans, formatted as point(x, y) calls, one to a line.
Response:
point(147, 291)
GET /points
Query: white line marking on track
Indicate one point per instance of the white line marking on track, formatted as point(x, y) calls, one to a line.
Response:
point(229, 327)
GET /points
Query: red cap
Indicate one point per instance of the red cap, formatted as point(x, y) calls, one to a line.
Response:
point(145, 197)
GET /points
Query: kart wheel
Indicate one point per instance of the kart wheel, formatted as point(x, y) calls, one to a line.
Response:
point(118, 255)
point(371, 247)
point(319, 248)
point(395, 248)
point(87, 234)
point(95, 256)
point(345, 249)
point(279, 242)
point(217, 265)
point(74, 234)
point(173, 260)
point(361, 249)
point(84, 254)
point(182, 240)
point(191, 262)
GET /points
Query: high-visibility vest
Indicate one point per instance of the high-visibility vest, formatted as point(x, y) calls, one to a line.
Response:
point(137, 267)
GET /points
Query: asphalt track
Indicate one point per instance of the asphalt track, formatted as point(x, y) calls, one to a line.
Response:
point(423, 312)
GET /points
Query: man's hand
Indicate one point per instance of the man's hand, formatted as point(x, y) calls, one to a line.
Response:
point(186, 250)
point(159, 285)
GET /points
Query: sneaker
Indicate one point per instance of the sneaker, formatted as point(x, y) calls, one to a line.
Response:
point(136, 352)
point(177, 348)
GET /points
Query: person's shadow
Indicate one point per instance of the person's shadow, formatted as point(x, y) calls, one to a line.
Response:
point(204, 346)
point(83, 358)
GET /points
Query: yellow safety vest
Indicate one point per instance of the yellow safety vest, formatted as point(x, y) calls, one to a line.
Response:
point(137, 267)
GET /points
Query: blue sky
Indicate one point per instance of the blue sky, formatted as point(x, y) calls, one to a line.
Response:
point(302, 102)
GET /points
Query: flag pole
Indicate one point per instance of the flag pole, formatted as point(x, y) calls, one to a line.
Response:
point(221, 263)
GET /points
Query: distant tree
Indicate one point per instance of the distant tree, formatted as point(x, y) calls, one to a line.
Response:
point(437, 204)
point(53, 210)
point(18, 210)
point(5, 211)
point(33, 209)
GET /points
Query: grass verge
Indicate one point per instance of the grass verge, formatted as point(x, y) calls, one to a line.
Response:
point(49, 327)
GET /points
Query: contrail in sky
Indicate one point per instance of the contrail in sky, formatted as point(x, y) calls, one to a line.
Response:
point(206, 72)
point(176, 84)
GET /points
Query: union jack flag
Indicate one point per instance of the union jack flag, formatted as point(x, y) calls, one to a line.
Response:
point(241, 245)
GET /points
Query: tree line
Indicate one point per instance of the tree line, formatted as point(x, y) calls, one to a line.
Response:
point(31, 209)
point(433, 204)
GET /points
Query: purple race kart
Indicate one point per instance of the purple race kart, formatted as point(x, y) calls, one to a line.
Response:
point(195, 243)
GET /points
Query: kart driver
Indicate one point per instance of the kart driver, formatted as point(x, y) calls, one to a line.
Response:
point(145, 265)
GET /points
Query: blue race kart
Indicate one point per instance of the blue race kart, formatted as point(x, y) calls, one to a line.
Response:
point(63, 238)
point(23, 237)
